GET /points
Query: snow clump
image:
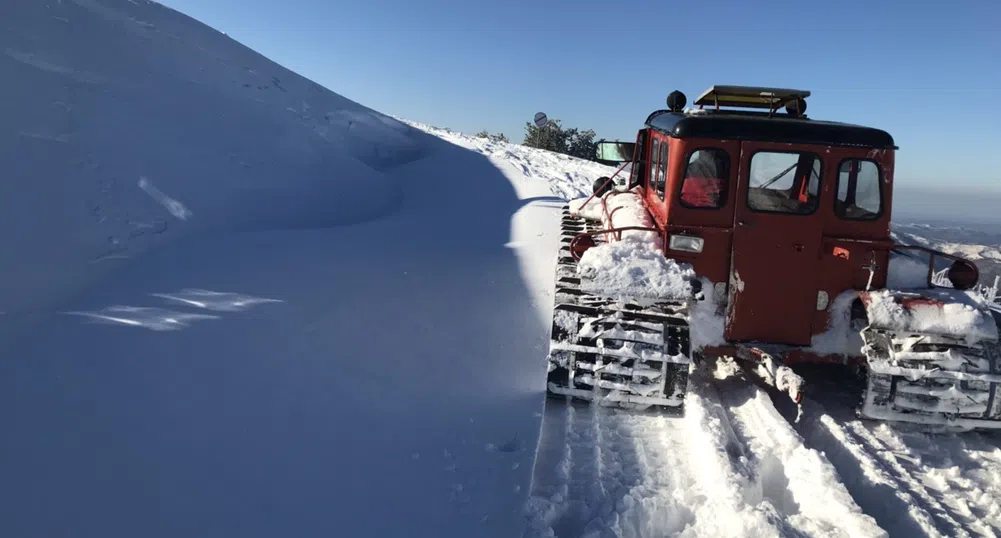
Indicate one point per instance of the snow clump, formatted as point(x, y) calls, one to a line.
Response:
point(633, 269)
point(951, 312)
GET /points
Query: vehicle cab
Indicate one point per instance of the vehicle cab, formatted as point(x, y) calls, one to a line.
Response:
point(780, 212)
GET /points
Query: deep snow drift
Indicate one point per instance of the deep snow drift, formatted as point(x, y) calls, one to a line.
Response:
point(149, 127)
point(238, 304)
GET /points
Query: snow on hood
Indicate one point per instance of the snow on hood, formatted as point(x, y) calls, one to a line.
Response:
point(962, 313)
point(634, 269)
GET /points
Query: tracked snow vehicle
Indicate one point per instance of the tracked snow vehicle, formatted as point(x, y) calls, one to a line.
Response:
point(785, 223)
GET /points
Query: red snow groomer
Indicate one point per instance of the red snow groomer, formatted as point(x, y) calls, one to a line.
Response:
point(785, 222)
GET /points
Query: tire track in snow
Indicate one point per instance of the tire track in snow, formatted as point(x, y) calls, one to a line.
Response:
point(725, 472)
point(965, 469)
point(876, 478)
point(652, 507)
point(915, 482)
point(610, 472)
point(585, 465)
point(799, 482)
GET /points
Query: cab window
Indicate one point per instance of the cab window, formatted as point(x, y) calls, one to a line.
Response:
point(654, 162)
point(784, 182)
point(705, 183)
point(636, 169)
point(662, 169)
point(859, 193)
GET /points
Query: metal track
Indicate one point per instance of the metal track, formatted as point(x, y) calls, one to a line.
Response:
point(614, 353)
point(931, 379)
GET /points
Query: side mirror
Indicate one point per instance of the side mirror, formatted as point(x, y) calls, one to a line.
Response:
point(613, 152)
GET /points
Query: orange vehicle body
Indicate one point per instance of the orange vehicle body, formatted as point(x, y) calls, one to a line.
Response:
point(784, 220)
point(778, 268)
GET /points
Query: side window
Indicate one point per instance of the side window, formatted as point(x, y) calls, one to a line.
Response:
point(654, 157)
point(705, 183)
point(859, 193)
point(636, 169)
point(662, 170)
point(784, 182)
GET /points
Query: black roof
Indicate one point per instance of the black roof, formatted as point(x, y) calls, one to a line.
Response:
point(710, 123)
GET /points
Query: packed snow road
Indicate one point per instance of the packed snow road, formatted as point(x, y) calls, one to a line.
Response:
point(732, 466)
point(737, 465)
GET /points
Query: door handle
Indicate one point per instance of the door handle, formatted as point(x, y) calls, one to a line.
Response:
point(798, 248)
point(745, 224)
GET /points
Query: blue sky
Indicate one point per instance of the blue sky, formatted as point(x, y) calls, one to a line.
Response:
point(930, 76)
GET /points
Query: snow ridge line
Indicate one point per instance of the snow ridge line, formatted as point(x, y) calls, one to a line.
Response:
point(877, 481)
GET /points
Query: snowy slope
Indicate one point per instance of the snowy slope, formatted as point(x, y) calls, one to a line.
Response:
point(357, 329)
point(977, 243)
point(567, 177)
point(123, 106)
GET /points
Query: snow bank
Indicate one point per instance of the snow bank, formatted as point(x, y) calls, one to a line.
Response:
point(633, 268)
point(128, 125)
point(566, 177)
point(333, 282)
point(962, 313)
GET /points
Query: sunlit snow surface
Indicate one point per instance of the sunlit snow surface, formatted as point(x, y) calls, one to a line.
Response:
point(239, 304)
